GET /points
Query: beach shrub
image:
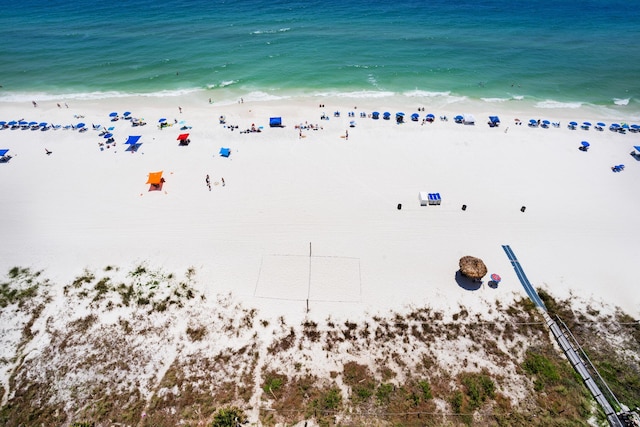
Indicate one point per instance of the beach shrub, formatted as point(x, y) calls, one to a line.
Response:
point(384, 392)
point(229, 417)
point(542, 367)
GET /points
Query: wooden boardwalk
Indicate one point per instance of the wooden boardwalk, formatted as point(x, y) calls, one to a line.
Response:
point(568, 344)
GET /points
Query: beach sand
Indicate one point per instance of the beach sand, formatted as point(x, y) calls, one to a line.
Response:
point(293, 193)
point(300, 229)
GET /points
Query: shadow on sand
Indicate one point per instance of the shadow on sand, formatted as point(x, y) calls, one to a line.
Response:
point(466, 283)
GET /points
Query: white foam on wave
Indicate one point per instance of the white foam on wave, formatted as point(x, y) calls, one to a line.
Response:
point(494, 100)
point(621, 101)
point(518, 97)
point(87, 96)
point(263, 96)
point(551, 104)
point(279, 30)
point(425, 94)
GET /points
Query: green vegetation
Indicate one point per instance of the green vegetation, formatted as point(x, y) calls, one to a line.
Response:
point(228, 417)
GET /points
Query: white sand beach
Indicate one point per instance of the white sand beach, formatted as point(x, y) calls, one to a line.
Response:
point(290, 193)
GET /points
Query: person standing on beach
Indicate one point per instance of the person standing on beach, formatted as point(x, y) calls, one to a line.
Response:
point(346, 134)
point(208, 182)
point(180, 109)
point(35, 104)
point(223, 184)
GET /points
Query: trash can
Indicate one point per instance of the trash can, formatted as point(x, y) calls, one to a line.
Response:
point(399, 206)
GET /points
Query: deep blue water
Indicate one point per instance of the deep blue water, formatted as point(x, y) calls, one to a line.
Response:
point(563, 51)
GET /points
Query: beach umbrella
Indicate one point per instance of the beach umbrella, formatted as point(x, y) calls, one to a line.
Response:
point(43, 124)
point(107, 135)
point(12, 123)
point(127, 113)
point(635, 126)
point(80, 125)
point(162, 120)
point(2, 123)
point(637, 148)
point(601, 124)
point(496, 278)
point(472, 267)
point(573, 123)
point(625, 126)
point(586, 123)
point(546, 122)
point(114, 114)
point(33, 123)
point(585, 144)
point(533, 121)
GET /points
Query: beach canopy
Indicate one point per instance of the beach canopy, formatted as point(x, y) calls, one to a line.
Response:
point(637, 148)
point(155, 178)
point(3, 152)
point(80, 125)
point(107, 135)
point(132, 140)
point(275, 122)
point(162, 120)
point(601, 124)
point(114, 114)
point(224, 152)
point(183, 136)
point(472, 267)
point(585, 144)
point(127, 113)
point(494, 119)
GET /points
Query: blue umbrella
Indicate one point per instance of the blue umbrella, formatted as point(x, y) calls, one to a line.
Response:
point(399, 114)
point(546, 122)
point(162, 120)
point(127, 113)
point(12, 123)
point(601, 124)
point(586, 123)
point(107, 135)
point(532, 121)
point(625, 126)
point(573, 123)
point(80, 125)
point(635, 126)
point(615, 125)
point(585, 144)
point(33, 123)
point(114, 114)
point(2, 123)
point(43, 124)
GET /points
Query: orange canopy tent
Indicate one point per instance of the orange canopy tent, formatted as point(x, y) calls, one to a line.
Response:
point(155, 178)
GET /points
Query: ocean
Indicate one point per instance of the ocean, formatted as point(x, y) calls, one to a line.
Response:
point(554, 53)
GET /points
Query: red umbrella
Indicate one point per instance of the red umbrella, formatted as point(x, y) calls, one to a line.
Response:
point(496, 278)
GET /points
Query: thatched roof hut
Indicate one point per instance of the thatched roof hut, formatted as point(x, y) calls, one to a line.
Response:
point(472, 267)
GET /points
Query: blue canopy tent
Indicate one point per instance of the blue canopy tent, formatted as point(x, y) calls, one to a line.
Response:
point(494, 121)
point(415, 117)
point(386, 115)
point(636, 152)
point(133, 143)
point(458, 119)
point(584, 146)
point(275, 122)
point(225, 152)
point(399, 117)
point(4, 157)
point(430, 117)
point(375, 115)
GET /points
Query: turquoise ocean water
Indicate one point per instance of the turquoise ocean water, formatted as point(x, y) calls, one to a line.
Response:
point(573, 52)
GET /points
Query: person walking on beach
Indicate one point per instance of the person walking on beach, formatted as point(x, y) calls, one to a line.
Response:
point(35, 104)
point(180, 109)
point(346, 134)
